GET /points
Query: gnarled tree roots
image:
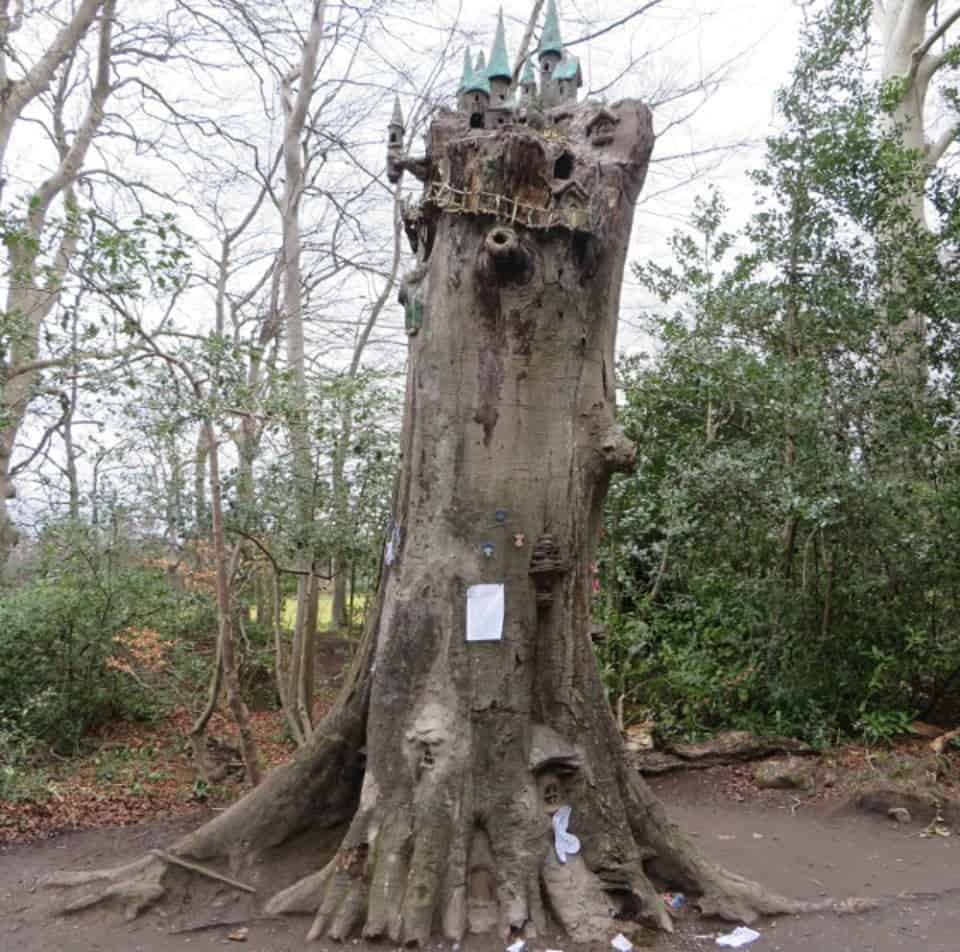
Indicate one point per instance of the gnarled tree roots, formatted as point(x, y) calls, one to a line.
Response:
point(405, 871)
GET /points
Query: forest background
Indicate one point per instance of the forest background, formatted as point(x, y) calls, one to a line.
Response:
point(201, 362)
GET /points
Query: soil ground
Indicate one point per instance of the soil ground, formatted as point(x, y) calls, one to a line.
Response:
point(806, 848)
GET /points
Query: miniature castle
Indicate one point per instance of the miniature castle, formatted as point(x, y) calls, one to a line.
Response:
point(522, 152)
point(488, 96)
point(487, 93)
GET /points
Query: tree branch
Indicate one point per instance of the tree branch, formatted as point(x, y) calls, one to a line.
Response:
point(527, 37)
point(936, 149)
point(938, 33)
point(72, 161)
point(45, 439)
point(40, 75)
point(610, 27)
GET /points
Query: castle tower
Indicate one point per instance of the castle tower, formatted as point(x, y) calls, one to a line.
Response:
point(395, 133)
point(550, 53)
point(477, 94)
point(498, 72)
point(568, 78)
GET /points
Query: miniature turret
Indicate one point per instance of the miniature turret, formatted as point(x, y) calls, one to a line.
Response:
point(498, 72)
point(487, 93)
point(395, 132)
point(560, 74)
point(477, 95)
point(568, 78)
point(550, 50)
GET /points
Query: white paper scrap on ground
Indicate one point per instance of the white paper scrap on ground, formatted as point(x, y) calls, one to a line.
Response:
point(485, 612)
point(565, 843)
point(740, 936)
point(393, 545)
point(517, 946)
point(621, 943)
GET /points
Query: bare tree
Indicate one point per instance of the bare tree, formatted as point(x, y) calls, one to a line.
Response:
point(34, 287)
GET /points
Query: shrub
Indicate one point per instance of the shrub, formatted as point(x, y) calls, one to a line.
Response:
point(82, 643)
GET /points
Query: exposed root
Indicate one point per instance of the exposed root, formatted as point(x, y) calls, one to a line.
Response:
point(403, 868)
point(136, 886)
point(303, 896)
point(582, 907)
point(652, 908)
point(731, 897)
point(322, 781)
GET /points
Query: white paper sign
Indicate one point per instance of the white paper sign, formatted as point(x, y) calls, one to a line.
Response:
point(485, 613)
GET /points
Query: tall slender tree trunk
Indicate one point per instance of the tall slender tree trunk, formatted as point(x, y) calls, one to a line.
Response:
point(903, 30)
point(297, 93)
point(226, 652)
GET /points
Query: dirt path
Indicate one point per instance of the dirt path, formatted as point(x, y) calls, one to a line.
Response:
point(848, 855)
point(783, 844)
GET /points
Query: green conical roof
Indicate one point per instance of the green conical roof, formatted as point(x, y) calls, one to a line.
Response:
point(528, 78)
point(479, 81)
point(467, 76)
point(550, 40)
point(499, 61)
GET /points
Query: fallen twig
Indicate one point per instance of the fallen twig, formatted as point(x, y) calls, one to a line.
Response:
point(202, 870)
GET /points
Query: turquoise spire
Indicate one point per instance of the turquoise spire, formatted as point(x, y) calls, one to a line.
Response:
point(499, 61)
point(467, 76)
point(479, 81)
point(550, 40)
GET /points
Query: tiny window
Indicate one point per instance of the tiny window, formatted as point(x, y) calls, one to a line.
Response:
point(563, 167)
point(476, 120)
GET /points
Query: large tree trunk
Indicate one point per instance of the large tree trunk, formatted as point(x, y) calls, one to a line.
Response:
point(509, 442)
